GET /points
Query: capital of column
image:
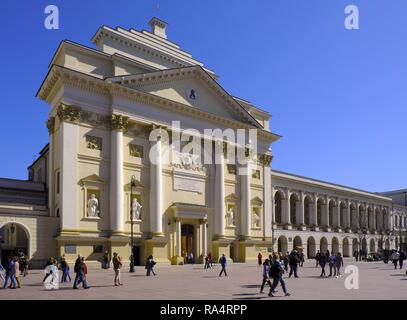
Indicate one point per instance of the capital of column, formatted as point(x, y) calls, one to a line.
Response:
point(118, 122)
point(50, 125)
point(69, 113)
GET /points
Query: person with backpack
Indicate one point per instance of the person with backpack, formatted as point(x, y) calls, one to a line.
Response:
point(266, 275)
point(117, 265)
point(322, 263)
point(223, 263)
point(276, 273)
point(293, 260)
point(150, 263)
point(332, 264)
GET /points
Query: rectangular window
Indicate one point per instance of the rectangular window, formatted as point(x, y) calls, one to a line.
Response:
point(70, 248)
point(136, 150)
point(94, 143)
point(97, 248)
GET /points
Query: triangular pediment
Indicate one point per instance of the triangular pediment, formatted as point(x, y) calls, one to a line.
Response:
point(92, 179)
point(190, 86)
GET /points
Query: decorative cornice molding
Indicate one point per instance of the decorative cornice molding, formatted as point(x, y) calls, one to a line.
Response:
point(265, 159)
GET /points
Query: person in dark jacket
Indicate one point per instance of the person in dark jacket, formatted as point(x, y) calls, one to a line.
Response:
point(338, 264)
point(80, 270)
point(293, 260)
point(266, 275)
point(150, 263)
point(106, 260)
point(276, 272)
point(286, 260)
point(10, 273)
point(65, 270)
point(402, 258)
point(259, 259)
point(223, 263)
point(332, 264)
point(317, 257)
point(322, 263)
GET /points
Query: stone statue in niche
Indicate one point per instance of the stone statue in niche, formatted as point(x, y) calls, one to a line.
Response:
point(93, 206)
point(136, 209)
point(230, 217)
point(256, 219)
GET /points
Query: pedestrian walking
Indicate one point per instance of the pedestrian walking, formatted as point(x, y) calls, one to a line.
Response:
point(395, 257)
point(106, 260)
point(276, 273)
point(117, 265)
point(293, 260)
point(266, 275)
point(356, 255)
point(223, 263)
point(10, 273)
point(150, 266)
point(286, 260)
point(80, 269)
point(259, 259)
point(317, 258)
point(401, 258)
point(210, 260)
point(65, 271)
point(17, 272)
point(302, 258)
point(206, 265)
point(332, 264)
point(322, 263)
point(338, 264)
point(50, 262)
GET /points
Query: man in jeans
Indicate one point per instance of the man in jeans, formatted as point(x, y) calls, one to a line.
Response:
point(10, 273)
point(80, 273)
point(117, 265)
point(222, 262)
point(276, 272)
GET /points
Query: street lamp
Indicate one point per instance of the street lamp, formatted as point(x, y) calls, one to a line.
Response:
point(132, 192)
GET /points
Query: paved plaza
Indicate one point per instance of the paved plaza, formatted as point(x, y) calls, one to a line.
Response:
point(377, 281)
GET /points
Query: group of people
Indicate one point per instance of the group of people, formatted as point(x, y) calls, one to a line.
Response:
point(397, 257)
point(15, 267)
point(208, 261)
point(273, 270)
point(334, 261)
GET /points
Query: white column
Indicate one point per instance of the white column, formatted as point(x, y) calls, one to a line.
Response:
point(220, 211)
point(273, 205)
point(178, 237)
point(245, 194)
point(347, 220)
point(267, 198)
point(156, 194)
point(315, 211)
point(300, 205)
point(116, 181)
point(204, 237)
point(68, 136)
point(325, 213)
point(50, 173)
point(287, 212)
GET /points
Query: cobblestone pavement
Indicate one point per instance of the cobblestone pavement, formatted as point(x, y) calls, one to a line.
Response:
point(377, 281)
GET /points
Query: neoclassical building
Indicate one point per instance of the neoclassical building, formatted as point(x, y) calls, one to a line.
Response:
point(112, 110)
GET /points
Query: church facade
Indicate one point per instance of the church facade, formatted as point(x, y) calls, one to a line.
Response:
point(123, 120)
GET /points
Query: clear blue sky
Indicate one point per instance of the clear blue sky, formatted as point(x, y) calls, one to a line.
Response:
point(338, 97)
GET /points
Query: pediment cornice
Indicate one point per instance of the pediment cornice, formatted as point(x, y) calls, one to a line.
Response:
point(97, 85)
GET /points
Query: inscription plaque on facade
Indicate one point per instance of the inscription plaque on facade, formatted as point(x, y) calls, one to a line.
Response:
point(188, 184)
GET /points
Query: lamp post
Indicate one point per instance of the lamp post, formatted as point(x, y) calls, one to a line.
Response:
point(132, 192)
